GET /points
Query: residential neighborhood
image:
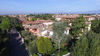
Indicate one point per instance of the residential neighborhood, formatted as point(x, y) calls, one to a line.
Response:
point(44, 27)
point(59, 29)
point(49, 28)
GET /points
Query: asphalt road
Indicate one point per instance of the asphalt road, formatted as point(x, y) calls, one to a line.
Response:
point(17, 46)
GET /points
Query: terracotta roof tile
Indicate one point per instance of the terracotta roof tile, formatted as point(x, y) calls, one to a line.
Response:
point(36, 22)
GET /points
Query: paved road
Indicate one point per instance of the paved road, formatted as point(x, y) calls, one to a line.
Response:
point(17, 47)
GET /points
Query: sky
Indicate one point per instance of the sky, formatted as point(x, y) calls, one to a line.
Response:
point(47, 6)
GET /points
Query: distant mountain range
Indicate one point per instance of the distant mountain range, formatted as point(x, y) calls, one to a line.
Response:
point(88, 12)
point(78, 12)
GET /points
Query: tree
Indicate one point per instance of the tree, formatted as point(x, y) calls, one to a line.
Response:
point(81, 47)
point(5, 24)
point(43, 16)
point(94, 44)
point(30, 41)
point(33, 19)
point(78, 26)
point(59, 37)
point(48, 44)
point(44, 46)
point(15, 22)
point(88, 45)
point(25, 34)
point(28, 37)
point(34, 55)
point(95, 26)
point(32, 48)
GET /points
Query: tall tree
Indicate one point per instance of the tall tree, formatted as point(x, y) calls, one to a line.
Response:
point(44, 46)
point(5, 24)
point(88, 45)
point(81, 47)
point(59, 36)
point(16, 22)
point(95, 26)
point(32, 48)
point(78, 26)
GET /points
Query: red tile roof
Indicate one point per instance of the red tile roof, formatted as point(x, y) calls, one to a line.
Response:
point(67, 16)
point(36, 22)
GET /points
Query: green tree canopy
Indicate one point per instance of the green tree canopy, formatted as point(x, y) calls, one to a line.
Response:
point(88, 45)
point(33, 19)
point(32, 48)
point(78, 25)
point(44, 45)
point(15, 22)
point(59, 35)
point(95, 26)
point(5, 24)
point(43, 16)
point(34, 55)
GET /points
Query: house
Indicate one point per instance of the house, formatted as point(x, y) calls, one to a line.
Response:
point(12, 15)
point(58, 18)
point(67, 30)
point(88, 25)
point(48, 23)
point(89, 18)
point(47, 33)
point(22, 17)
point(70, 17)
point(96, 17)
point(29, 18)
point(66, 17)
point(38, 27)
